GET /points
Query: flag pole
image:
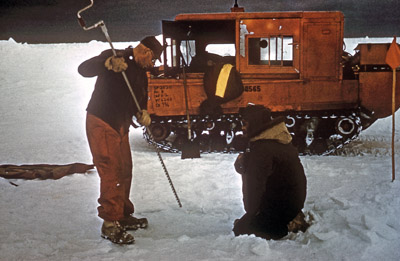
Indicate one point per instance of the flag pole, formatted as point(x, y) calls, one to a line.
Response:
point(393, 121)
point(393, 60)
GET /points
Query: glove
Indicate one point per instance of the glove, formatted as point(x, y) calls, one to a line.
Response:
point(116, 64)
point(143, 117)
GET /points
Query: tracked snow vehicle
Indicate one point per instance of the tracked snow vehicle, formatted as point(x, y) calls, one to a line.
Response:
point(290, 62)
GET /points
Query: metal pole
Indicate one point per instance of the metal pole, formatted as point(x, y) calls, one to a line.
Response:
point(393, 121)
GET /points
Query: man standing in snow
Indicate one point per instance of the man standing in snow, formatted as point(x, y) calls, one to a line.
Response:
point(274, 184)
point(109, 116)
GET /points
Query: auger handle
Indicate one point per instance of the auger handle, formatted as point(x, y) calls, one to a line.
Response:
point(83, 23)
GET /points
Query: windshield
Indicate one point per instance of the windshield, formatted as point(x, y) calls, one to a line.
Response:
point(194, 43)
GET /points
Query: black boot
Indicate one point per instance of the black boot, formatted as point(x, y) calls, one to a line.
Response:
point(132, 223)
point(113, 231)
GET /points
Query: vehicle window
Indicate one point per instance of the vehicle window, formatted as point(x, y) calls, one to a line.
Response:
point(273, 51)
point(170, 53)
point(188, 50)
point(221, 49)
point(206, 52)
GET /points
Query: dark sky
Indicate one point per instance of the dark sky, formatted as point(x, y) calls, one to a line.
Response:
point(54, 21)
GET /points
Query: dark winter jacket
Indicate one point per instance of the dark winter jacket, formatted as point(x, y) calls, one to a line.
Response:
point(272, 173)
point(234, 87)
point(111, 99)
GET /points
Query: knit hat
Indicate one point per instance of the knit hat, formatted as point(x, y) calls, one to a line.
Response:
point(153, 44)
point(258, 118)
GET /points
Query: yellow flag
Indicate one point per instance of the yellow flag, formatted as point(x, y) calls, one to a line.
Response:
point(393, 55)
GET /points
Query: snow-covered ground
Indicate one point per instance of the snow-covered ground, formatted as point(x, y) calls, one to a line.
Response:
point(354, 205)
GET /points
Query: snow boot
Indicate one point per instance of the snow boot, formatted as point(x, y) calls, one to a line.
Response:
point(132, 223)
point(298, 223)
point(113, 231)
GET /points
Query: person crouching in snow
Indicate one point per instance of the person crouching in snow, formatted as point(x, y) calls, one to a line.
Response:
point(274, 183)
point(109, 116)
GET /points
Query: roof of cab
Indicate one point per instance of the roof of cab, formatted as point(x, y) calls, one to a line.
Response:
point(258, 15)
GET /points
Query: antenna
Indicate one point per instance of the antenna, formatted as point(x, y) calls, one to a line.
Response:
point(236, 8)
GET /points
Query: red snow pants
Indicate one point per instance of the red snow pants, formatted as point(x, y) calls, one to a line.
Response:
point(113, 160)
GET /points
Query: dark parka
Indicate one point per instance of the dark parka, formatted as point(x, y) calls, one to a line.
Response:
point(273, 175)
point(234, 88)
point(111, 99)
point(274, 183)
